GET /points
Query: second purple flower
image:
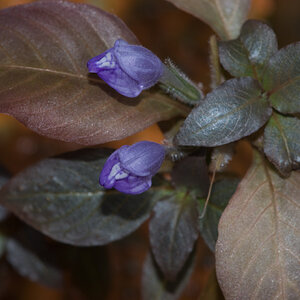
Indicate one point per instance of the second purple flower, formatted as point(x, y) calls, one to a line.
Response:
point(129, 69)
point(130, 168)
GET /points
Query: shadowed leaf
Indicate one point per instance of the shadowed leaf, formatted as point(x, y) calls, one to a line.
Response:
point(173, 232)
point(191, 173)
point(234, 110)
point(221, 193)
point(61, 197)
point(282, 79)
point(224, 16)
point(282, 142)
point(249, 53)
point(156, 287)
point(258, 249)
point(44, 48)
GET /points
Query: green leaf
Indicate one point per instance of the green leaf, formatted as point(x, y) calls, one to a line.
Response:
point(224, 16)
point(156, 287)
point(45, 83)
point(232, 111)
point(173, 232)
point(191, 173)
point(61, 197)
point(221, 193)
point(249, 53)
point(32, 258)
point(282, 142)
point(258, 249)
point(282, 79)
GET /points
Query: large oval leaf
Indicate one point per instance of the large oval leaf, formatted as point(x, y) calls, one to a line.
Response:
point(258, 249)
point(224, 16)
point(234, 110)
point(61, 197)
point(44, 48)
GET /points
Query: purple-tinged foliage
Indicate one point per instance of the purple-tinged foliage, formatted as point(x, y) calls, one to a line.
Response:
point(129, 69)
point(130, 168)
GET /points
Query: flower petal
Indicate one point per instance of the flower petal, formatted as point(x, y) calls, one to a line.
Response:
point(107, 179)
point(139, 63)
point(121, 82)
point(143, 158)
point(133, 185)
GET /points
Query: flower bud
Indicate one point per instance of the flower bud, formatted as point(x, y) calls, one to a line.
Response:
point(129, 69)
point(130, 168)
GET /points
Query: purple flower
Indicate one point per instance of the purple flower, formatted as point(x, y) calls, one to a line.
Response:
point(130, 168)
point(129, 69)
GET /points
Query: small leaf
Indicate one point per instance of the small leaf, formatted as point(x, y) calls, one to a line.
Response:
point(61, 197)
point(282, 79)
point(155, 286)
point(282, 142)
point(173, 232)
point(249, 53)
point(233, 110)
point(221, 193)
point(258, 249)
point(191, 173)
point(224, 16)
point(45, 83)
point(32, 259)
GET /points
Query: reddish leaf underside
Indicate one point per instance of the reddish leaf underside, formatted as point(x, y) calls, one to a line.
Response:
point(258, 249)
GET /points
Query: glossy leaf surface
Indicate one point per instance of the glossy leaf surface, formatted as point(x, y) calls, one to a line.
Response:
point(224, 16)
point(258, 249)
point(220, 195)
point(61, 197)
point(282, 142)
point(44, 48)
point(173, 232)
point(282, 79)
point(234, 110)
point(248, 54)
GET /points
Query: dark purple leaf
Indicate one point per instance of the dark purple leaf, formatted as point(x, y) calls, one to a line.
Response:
point(250, 52)
point(62, 198)
point(44, 49)
point(173, 232)
point(281, 142)
point(155, 286)
point(235, 109)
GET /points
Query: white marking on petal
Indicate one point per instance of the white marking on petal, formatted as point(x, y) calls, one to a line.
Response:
point(106, 62)
point(114, 171)
point(121, 175)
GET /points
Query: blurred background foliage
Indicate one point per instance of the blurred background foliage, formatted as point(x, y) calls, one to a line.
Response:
point(168, 32)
